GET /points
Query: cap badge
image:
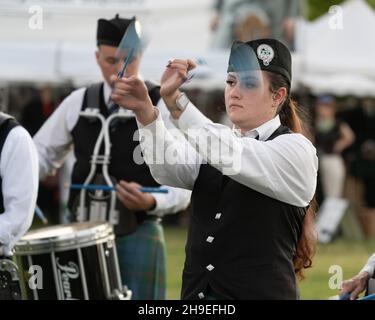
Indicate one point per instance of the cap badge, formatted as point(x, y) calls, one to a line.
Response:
point(265, 53)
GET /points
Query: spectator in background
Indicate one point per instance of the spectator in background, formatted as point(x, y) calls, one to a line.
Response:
point(332, 137)
point(364, 165)
point(38, 110)
point(34, 114)
point(246, 20)
point(360, 115)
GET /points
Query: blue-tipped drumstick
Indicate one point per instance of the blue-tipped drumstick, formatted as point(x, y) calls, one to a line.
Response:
point(40, 215)
point(125, 64)
point(369, 297)
point(109, 188)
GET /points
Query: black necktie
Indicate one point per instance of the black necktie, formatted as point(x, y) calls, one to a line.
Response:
point(113, 108)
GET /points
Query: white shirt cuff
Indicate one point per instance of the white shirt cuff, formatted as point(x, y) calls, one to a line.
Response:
point(160, 200)
point(173, 121)
point(370, 266)
point(368, 269)
point(4, 240)
point(5, 251)
point(153, 123)
point(192, 118)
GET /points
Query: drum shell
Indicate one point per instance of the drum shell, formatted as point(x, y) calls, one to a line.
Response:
point(70, 269)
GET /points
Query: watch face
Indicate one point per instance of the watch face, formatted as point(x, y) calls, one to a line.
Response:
point(182, 101)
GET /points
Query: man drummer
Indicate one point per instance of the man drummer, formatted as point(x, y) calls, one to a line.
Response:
point(18, 188)
point(141, 247)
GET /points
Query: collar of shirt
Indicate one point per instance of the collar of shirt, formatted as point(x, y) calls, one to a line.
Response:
point(264, 131)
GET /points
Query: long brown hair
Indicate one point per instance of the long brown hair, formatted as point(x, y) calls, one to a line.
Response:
point(290, 116)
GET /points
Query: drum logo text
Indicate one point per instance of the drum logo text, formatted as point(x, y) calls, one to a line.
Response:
point(65, 274)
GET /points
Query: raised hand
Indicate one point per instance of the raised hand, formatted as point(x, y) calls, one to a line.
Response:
point(131, 93)
point(173, 77)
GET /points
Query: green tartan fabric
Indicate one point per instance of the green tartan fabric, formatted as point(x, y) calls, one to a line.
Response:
point(142, 260)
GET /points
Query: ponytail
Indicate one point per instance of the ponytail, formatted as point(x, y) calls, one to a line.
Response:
point(306, 247)
point(289, 117)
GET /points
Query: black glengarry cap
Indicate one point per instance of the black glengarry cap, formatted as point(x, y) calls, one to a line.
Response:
point(110, 32)
point(264, 54)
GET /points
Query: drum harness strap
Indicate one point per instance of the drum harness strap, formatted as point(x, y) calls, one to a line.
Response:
point(92, 112)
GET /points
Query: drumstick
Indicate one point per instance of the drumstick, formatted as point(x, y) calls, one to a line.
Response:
point(40, 215)
point(109, 188)
point(125, 64)
point(369, 297)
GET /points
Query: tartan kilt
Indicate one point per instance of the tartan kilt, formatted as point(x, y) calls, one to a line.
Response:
point(142, 261)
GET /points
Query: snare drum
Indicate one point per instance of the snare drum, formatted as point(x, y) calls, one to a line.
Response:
point(70, 262)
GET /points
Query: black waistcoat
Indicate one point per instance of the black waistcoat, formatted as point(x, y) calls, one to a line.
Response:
point(240, 242)
point(122, 165)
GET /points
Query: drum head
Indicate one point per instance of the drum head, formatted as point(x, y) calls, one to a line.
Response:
point(63, 237)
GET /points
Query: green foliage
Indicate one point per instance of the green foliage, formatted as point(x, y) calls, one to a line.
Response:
point(371, 3)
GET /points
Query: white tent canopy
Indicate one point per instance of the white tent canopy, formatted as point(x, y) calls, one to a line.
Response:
point(63, 50)
point(339, 61)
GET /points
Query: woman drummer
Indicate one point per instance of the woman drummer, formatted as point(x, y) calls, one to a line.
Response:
point(251, 229)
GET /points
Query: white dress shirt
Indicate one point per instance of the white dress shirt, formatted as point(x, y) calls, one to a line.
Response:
point(19, 174)
point(284, 168)
point(370, 266)
point(54, 140)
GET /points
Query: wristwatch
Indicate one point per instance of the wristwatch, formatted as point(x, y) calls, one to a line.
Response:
point(182, 101)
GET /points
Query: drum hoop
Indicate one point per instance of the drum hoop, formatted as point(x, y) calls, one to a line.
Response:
point(42, 248)
point(82, 238)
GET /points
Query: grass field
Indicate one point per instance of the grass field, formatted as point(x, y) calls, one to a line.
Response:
point(351, 256)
